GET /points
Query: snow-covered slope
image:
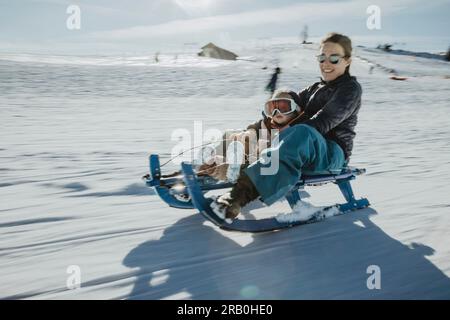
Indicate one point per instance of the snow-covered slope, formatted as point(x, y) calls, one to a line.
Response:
point(76, 135)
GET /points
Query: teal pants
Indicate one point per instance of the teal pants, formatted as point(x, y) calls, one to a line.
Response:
point(301, 148)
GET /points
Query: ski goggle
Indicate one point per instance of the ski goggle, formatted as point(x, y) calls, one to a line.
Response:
point(282, 105)
point(333, 59)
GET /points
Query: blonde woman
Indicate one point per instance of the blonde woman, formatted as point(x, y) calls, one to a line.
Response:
point(320, 138)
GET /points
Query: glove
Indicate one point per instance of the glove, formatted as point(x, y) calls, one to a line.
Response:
point(216, 168)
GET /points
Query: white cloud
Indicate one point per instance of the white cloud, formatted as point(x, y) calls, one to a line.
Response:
point(298, 13)
point(155, 24)
point(194, 7)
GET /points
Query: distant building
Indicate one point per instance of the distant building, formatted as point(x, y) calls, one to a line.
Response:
point(213, 51)
point(447, 56)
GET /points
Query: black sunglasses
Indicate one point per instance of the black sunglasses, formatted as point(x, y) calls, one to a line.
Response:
point(334, 58)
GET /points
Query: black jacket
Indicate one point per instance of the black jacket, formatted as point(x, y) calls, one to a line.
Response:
point(331, 108)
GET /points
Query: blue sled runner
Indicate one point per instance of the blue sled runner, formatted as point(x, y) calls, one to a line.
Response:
point(185, 190)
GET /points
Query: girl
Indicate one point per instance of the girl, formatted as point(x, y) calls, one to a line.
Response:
point(280, 111)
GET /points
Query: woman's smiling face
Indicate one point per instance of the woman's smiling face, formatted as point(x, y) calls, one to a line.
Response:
point(332, 71)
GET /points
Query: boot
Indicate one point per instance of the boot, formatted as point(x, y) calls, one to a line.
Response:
point(228, 206)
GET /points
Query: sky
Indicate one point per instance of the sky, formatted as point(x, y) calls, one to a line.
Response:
point(146, 25)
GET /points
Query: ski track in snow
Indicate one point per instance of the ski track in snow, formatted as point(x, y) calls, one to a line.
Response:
point(76, 136)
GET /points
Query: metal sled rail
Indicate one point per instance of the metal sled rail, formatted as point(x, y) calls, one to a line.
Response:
point(172, 188)
point(202, 204)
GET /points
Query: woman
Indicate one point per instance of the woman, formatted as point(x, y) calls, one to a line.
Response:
point(319, 139)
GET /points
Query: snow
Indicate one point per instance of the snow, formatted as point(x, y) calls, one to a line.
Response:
point(304, 211)
point(76, 136)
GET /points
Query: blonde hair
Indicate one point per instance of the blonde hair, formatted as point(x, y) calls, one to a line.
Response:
point(341, 40)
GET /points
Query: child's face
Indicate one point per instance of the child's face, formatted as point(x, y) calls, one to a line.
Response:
point(282, 119)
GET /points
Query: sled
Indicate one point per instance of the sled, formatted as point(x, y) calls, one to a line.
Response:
point(172, 189)
point(185, 190)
